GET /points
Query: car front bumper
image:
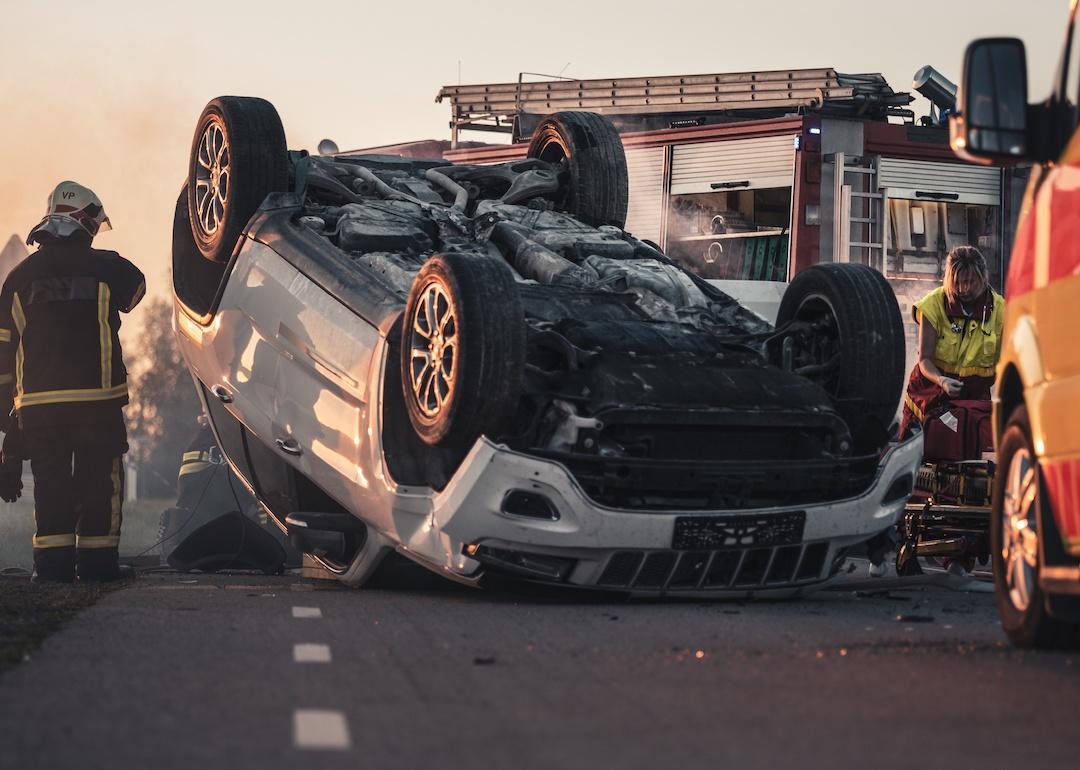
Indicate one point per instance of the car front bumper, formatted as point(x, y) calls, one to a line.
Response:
point(468, 532)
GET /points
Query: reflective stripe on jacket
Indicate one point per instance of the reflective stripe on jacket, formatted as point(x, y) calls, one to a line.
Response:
point(59, 322)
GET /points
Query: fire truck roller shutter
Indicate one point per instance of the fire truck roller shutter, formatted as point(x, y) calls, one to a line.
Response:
point(925, 180)
point(645, 166)
point(761, 162)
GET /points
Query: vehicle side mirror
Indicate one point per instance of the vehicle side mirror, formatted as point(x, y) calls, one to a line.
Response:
point(991, 124)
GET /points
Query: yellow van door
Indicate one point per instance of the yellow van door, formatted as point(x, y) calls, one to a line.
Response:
point(1057, 300)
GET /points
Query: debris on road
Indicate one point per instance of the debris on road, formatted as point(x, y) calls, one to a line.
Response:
point(883, 594)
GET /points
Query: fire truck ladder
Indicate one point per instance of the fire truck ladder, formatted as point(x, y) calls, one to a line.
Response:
point(496, 106)
point(859, 212)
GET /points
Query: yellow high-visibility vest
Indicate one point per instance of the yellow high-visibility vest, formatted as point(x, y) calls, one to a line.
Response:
point(965, 346)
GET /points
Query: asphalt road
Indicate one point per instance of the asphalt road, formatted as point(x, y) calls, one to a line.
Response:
point(240, 671)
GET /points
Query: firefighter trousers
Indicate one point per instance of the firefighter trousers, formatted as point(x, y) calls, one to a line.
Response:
point(78, 499)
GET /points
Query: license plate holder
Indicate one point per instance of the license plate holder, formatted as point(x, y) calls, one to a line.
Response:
point(740, 531)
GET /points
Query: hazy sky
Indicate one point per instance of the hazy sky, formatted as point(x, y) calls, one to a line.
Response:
point(107, 92)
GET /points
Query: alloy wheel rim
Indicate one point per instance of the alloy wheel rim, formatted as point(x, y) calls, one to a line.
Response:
point(1020, 537)
point(433, 350)
point(823, 349)
point(212, 172)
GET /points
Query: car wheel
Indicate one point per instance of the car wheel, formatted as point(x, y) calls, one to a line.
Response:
point(1019, 507)
point(238, 157)
point(591, 153)
point(848, 337)
point(462, 349)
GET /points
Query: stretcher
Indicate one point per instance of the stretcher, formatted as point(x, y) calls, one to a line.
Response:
point(948, 515)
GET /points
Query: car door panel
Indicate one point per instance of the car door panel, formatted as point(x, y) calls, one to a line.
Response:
point(294, 364)
point(1056, 282)
point(229, 433)
point(237, 359)
point(324, 391)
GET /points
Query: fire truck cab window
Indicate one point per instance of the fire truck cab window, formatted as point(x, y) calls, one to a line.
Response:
point(732, 234)
point(921, 233)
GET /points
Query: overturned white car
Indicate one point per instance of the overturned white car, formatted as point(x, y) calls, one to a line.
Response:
point(477, 367)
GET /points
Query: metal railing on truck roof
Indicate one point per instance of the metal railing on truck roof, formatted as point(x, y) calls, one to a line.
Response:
point(498, 106)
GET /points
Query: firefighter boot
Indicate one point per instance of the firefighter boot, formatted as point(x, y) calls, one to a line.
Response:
point(98, 565)
point(54, 559)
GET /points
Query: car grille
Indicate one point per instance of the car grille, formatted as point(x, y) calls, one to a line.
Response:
point(644, 484)
point(743, 568)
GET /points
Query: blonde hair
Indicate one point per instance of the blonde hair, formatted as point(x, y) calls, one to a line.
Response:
point(964, 261)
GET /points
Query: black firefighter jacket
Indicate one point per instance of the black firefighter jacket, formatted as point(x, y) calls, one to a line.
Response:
point(60, 358)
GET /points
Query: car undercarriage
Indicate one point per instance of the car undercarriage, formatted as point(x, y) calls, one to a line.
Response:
point(651, 384)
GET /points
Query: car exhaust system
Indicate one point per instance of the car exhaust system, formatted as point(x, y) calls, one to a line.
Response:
point(534, 261)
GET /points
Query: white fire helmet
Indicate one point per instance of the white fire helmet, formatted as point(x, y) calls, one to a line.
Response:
point(71, 207)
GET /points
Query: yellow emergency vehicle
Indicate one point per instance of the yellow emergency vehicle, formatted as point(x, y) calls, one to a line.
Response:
point(1035, 528)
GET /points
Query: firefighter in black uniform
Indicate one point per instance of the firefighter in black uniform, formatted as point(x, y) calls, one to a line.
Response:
point(62, 369)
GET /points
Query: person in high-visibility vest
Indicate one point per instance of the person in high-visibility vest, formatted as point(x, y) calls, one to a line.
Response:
point(960, 326)
point(62, 370)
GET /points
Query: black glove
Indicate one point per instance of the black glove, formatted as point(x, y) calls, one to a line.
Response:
point(10, 479)
point(11, 460)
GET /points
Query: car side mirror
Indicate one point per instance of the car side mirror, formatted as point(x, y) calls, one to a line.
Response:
point(991, 124)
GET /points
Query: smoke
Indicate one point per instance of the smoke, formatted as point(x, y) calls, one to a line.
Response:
point(129, 147)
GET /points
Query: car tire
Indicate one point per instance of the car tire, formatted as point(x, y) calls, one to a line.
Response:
point(851, 342)
point(589, 148)
point(462, 349)
point(1020, 497)
point(238, 157)
point(196, 281)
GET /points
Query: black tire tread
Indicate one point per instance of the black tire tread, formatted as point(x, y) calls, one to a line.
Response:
point(872, 328)
point(600, 188)
point(196, 280)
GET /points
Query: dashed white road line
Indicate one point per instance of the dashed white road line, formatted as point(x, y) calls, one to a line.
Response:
point(320, 729)
point(317, 729)
point(311, 653)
